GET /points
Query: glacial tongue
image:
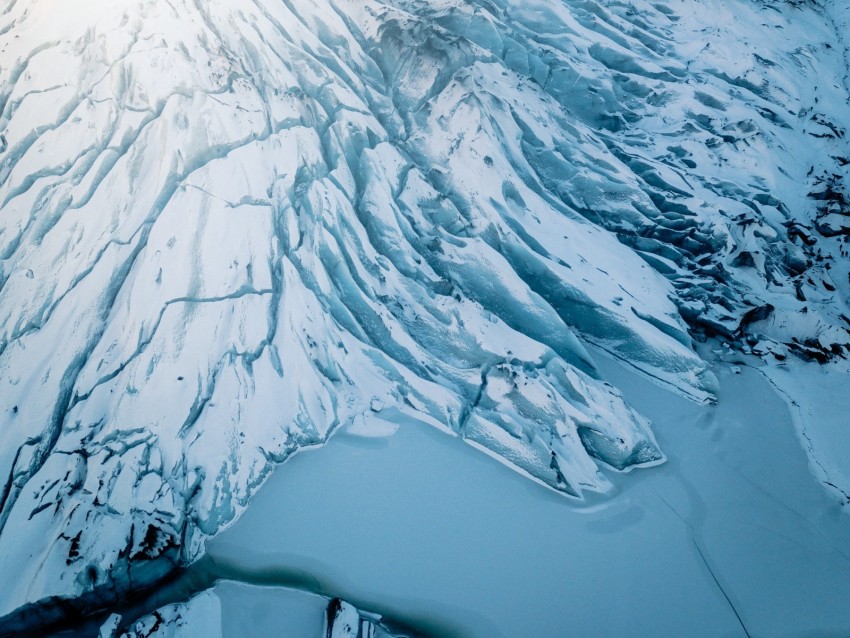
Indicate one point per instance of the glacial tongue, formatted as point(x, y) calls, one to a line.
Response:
point(230, 228)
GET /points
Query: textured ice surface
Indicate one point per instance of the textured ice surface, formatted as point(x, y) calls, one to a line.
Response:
point(228, 228)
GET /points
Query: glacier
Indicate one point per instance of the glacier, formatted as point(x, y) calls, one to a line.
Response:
point(230, 228)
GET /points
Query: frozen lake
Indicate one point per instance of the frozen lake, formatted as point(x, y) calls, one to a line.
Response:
point(731, 537)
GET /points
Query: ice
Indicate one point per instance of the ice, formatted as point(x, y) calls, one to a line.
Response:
point(733, 536)
point(231, 229)
point(202, 615)
point(233, 610)
point(820, 407)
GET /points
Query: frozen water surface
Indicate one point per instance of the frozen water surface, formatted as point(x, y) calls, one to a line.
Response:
point(732, 536)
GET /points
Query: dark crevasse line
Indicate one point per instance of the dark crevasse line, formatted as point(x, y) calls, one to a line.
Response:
point(18, 479)
point(85, 615)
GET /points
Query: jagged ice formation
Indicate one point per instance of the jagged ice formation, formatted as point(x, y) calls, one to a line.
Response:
point(229, 227)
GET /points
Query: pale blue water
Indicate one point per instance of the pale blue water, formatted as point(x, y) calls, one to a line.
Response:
point(732, 532)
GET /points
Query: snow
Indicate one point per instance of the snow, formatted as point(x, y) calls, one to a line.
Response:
point(231, 229)
point(820, 406)
point(235, 609)
point(200, 616)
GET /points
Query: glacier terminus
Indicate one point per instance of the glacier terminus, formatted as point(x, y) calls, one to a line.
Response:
point(289, 288)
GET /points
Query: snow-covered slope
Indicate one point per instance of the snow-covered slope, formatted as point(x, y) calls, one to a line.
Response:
point(228, 227)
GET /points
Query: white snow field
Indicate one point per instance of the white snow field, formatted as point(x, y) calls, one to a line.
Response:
point(229, 229)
